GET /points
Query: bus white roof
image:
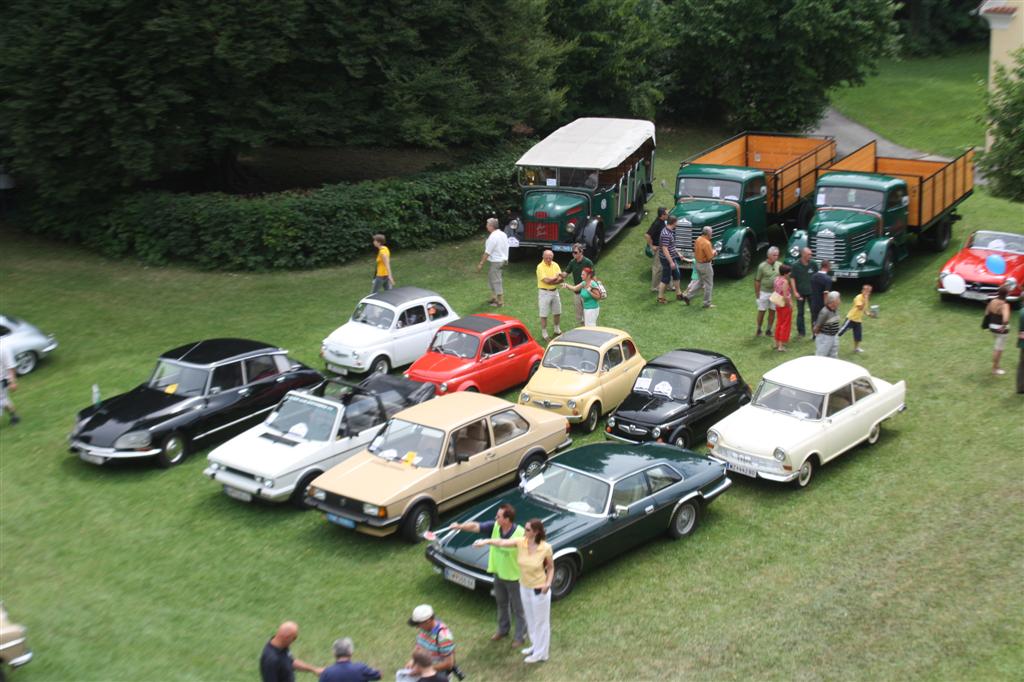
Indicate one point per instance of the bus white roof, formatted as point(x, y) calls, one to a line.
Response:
point(590, 143)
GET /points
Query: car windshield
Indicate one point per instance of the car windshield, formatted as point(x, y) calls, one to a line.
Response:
point(413, 444)
point(373, 315)
point(176, 379)
point(563, 356)
point(663, 382)
point(451, 342)
point(708, 188)
point(850, 197)
point(569, 489)
point(997, 241)
point(303, 418)
point(792, 401)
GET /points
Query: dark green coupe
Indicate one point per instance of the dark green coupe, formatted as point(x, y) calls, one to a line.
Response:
point(596, 502)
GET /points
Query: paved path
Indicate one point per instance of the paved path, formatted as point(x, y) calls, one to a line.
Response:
point(851, 135)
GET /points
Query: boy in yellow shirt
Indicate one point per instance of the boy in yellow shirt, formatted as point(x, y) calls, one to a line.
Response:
point(855, 317)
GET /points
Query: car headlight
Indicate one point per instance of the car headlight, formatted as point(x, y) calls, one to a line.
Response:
point(214, 466)
point(611, 422)
point(524, 397)
point(373, 510)
point(713, 438)
point(779, 454)
point(862, 258)
point(268, 482)
point(133, 440)
point(317, 494)
point(443, 387)
point(656, 431)
point(795, 252)
point(571, 403)
point(570, 227)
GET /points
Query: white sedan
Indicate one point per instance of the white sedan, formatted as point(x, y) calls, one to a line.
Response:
point(804, 413)
point(388, 329)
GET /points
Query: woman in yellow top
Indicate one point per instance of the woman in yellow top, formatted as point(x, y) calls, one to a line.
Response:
point(536, 571)
point(382, 277)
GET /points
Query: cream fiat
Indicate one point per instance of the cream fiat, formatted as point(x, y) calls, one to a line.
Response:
point(435, 456)
point(804, 413)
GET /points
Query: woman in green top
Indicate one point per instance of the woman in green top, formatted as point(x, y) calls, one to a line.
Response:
point(591, 291)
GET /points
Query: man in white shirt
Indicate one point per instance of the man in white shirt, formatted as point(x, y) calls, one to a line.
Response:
point(496, 254)
point(9, 381)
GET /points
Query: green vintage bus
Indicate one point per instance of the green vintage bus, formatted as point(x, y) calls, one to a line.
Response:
point(584, 183)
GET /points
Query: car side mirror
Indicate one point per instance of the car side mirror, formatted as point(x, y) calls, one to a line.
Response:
point(214, 390)
point(620, 511)
point(764, 190)
point(461, 457)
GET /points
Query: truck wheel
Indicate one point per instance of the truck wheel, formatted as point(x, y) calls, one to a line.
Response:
point(593, 250)
point(938, 240)
point(741, 267)
point(805, 215)
point(884, 280)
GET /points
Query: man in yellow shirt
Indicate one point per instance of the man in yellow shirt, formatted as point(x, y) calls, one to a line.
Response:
point(549, 277)
point(856, 316)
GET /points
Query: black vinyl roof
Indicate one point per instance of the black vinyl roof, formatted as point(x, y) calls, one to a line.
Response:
point(587, 337)
point(475, 323)
point(689, 359)
point(401, 295)
point(216, 350)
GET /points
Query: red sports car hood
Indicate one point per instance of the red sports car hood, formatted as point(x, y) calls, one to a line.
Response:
point(970, 264)
point(439, 367)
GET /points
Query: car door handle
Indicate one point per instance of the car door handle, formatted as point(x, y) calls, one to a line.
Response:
point(280, 379)
point(244, 392)
point(490, 455)
point(511, 355)
point(648, 509)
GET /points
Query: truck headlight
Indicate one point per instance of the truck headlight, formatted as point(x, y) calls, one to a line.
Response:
point(718, 246)
point(570, 226)
point(133, 440)
point(373, 510)
point(685, 222)
point(713, 438)
point(571, 403)
point(862, 258)
point(611, 422)
point(795, 252)
point(524, 397)
point(779, 455)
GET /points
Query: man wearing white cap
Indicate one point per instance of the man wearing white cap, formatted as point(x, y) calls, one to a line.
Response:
point(433, 638)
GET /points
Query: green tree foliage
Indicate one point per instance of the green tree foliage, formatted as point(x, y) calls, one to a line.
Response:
point(769, 65)
point(1003, 163)
point(618, 55)
point(935, 26)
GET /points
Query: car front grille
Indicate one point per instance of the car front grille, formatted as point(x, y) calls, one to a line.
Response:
point(686, 235)
point(542, 230)
point(236, 472)
point(344, 503)
point(631, 429)
point(829, 248)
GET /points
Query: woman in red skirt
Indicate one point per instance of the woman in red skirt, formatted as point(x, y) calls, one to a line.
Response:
point(783, 300)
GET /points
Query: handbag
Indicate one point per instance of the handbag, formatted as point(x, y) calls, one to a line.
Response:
point(777, 300)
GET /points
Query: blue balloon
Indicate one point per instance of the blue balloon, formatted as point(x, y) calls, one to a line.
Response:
point(996, 264)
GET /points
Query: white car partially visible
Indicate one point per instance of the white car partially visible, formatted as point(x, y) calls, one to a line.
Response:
point(388, 329)
point(26, 343)
point(804, 413)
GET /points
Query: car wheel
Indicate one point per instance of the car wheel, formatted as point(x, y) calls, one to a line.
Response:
point(884, 280)
point(418, 521)
point(806, 472)
point(685, 519)
point(564, 579)
point(593, 416)
point(530, 466)
point(172, 450)
point(25, 362)
point(533, 370)
point(874, 433)
point(380, 365)
point(681, 439)
point(298, 498)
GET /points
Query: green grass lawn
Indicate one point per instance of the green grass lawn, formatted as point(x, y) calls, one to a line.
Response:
point(900, 561)
point(934, 104)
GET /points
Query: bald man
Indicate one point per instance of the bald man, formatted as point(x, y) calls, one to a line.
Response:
point(276, 662)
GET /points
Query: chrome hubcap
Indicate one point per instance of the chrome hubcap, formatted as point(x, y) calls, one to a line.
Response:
point(684, 519)
point(422, 522)
point(174, 449)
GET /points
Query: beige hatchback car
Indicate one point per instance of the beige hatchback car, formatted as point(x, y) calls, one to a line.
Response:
point(434, 456)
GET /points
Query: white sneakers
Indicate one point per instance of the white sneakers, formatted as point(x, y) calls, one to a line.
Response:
point(533, 659)
point(858, 350)
point(527, 651)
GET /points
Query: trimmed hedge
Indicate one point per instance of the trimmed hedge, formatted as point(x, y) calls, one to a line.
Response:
point(308, 229)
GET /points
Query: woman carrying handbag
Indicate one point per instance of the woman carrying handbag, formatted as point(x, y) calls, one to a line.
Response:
point(782, 298)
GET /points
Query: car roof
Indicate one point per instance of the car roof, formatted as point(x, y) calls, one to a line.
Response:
point(216, 350)
point(689, 359)
point(480, 323)
point(448, 411)
point(816, 374)
point(590, 336)
point(402, 295)
point(875, 181)
point(612, 461)
point(591, 143)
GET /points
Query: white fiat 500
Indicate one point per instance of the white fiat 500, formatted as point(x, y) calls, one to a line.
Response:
point(308, 433)
point(388, 329)
point(804, 413)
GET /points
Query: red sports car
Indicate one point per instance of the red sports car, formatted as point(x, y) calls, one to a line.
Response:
point(485, 353)
point(970, 264)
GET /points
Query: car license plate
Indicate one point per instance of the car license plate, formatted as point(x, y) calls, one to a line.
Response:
point(846, 273)
point(561, 247)
point(975, 295)
point(240, 495)
point(741, 469)
point(341, 521)
point(337, 368)
point(91, 459)
point(460, 579)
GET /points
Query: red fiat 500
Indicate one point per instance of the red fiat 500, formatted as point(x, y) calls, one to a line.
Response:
point(485, 353)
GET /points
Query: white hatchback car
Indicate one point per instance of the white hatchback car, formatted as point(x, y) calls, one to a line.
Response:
point(308, 433)
point(804, 413)
point(388, 329)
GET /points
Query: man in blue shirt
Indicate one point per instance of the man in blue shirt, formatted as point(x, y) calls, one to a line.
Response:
point(344, 668)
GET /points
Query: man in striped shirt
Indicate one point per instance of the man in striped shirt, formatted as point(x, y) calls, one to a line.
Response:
point(433, 638)
point(667, 257)
point(826, 328)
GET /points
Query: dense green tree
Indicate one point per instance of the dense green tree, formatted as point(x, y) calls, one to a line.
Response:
point(769, 64)
point(618, 57)
point(1003, 163)
point(936, 26)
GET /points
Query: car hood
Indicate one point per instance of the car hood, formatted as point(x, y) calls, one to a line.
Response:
point(644, 408)
point(439, 366)
point(368, 478)
point(970, 264)
point(262, 452)
point(841, 221)
point(704, 211)
point(569, 383)
point(357, 335)
point(759, 431)
point(555, 204)
point(560, 525)
point(130, 410)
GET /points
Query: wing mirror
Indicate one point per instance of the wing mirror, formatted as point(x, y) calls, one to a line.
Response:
point(620, 511)
point(905, 201)
point(461, 457)
point(214, 390)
